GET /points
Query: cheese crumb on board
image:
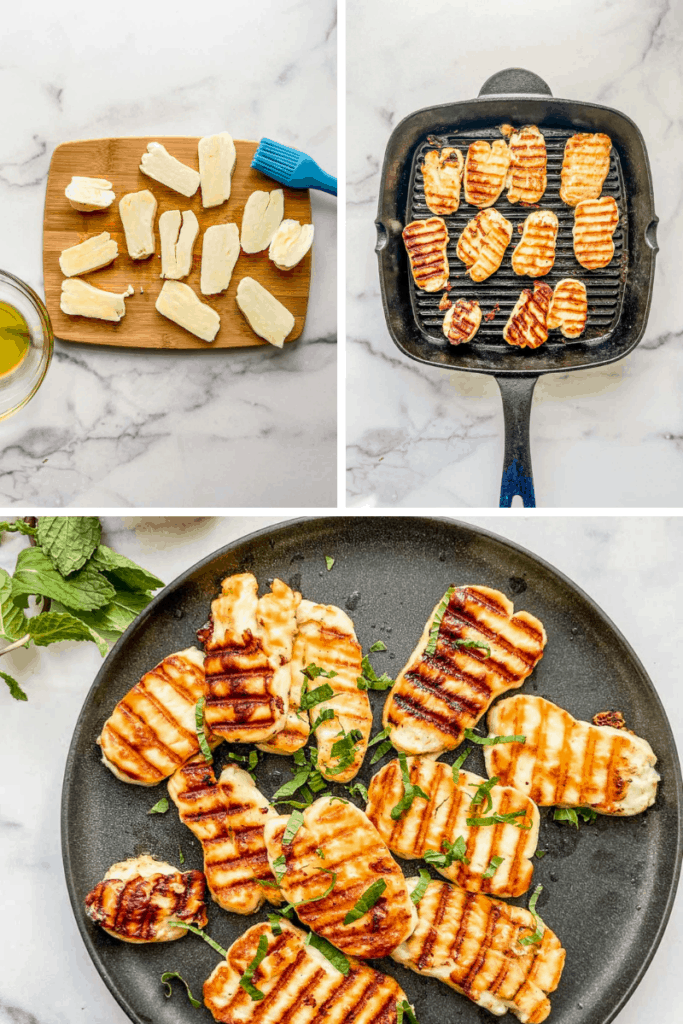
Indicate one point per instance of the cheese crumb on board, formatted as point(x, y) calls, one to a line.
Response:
point(262, 217)
point(179, 303)
point(216, 166)
point(158, 163)
point(95, 252)
point(88, 194)
point(266, 315)
point(137, 211)
point(290, 244)
point(220, 249)
point(82, 299)
point(177, 243)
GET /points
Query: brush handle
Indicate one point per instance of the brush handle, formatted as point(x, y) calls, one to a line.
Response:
point(324, 183)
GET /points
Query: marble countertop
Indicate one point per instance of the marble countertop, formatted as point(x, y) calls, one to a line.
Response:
point(249, 428)
point(47, 976)
point(424, 437)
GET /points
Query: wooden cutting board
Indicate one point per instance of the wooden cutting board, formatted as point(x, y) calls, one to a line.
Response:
point(118, 161)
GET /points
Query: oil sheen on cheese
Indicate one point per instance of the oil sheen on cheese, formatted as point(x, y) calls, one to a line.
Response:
point(14, 338)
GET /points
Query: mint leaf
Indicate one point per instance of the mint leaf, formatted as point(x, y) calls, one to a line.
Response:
point(296, 820)
point(421, 887)
point(116, 617)
point(366, 902)
point(131, 575)
point(51, 627)
point(14, 688)
point(68, 541)
point(540, 927)
point(458, 763)
point(85, 590)
point(410, 791)
point(160, 807)
point(166, 978)
point(18, 526)
point(378, 645)
point(494, 864)
point(329, 562)
point(492, 741)
point(436, 621)
point(330, 952)
point(201, 734)
point(359, 790)
point(245, 980)
point(201, 933)
point(290, 788)
point(12, 619)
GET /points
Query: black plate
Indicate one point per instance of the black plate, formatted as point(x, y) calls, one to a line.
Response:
point(609, 886)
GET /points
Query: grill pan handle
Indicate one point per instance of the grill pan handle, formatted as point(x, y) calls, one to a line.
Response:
point(518, 477)
point(514, 80)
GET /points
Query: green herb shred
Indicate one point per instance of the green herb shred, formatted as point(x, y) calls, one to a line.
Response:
point(378, 645)
point(483, 794)
point(540, 927)
point(330, 952)
point(366, 902)
point(359, 790)
point(410, 791)
point(458, 763)
point(296, 820)
point(494, 864)
point(160, 807)
point(404, 1008)
point(245, 980)
point(449, 853)
point(436, 621)
point(540, 853)
point(166, 979)
point(326, 715)
point(492, 741)
point(279, 868)
point(501, 819)
point(421, 887)
point(329, 562)
point(202, 935)
point(201, 736)
point(290, 788)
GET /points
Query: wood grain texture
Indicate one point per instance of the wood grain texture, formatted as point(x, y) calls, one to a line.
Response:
point(118, 161)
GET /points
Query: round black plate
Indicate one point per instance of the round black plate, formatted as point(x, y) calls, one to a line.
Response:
point(608, 887)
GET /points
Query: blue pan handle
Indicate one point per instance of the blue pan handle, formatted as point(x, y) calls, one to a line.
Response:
point(513, 80)
point(518, 476)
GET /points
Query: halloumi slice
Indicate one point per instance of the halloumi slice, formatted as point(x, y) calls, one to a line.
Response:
point(158, 163)
point(79, 298)
point(462, 321)
point(444, 816)
point(299, 984)
point(217, 157)
point(265, 314)
point(585, 166)
point(179, 303)
point(425, 242)
point(262, 217)
point(437, 696)
point(534, 254)
point(95, 252)
point(137, 211)
point(527, 325)
point(595, 221)
point(337, 839)
point(227, 817)
point(568, 307)
point(220, 249)
point(297, 727)
point(568, 763)
point(88, 194)
point(472, 943)
point(486, 169)
point(483, 242)
point(290, 244)
point(442, 173)
point(177, 243)
point(527, 177)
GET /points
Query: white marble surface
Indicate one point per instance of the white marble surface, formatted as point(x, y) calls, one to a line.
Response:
point(242, 428)
point(423, 437)
point(46, 975)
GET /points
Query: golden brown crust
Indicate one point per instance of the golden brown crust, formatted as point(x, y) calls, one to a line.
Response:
point(595, 221)
point(527, 178)
point(425, 242)
point(139, 910)
point(534, 254)
point(486, 169)
point(568, 308)
point(527, 326)
point(462, 321)
point(442, 173)
point(483, 242)
point(585, 166)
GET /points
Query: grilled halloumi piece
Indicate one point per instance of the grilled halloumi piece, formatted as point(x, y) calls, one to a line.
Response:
point(425, 242)
point(595, 221)
point(227, 817)
point(248, 644)
point(443, 817)
point(535, 252)
point(437, 696)
point(483, 242)
point(138, 897)
point(300, 985)
point(569, 763)
point(527, 179)
point(353, 851)
point(527, 326)
point(442, 173)
point(152, 731)
point(472, 943)
point(568, 307)
point(462, 321)
point(585, 166)
point(297, 728)
point(486, 169)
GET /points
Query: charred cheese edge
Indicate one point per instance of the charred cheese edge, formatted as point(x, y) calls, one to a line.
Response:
point(486, 169)
point(297, 728)
point(426, 242)
point(442, 174)
point(585, 165)
point(483, 242)
point(462, 321)
point(527, 325)
point(568, 308)
point(595, 221)
point(534, 254)
point(527, 177)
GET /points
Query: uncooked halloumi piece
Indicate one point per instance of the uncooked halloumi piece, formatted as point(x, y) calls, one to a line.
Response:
point(265, 314)
point(82, 299)
point(336, 838)
point(228, 818)
point(88, 194)
point(290, 244)
point(95, 252)
point(151, 732)
point(568, 763)
point(262, 217)
point(179, 303)
point(439, 695)
point(248, 643)
point(427, 824)
point(486, 169)
point(137, 211)
point(220, 249)
point(137, 898)
point(527, 325)
point(568, 307)
point(299, 984)
point(472, 943)
point(585, 166)
point(216, 167)
point(534, 254)
point(527, 178)
point(595, 221)
point(442, 173)
point(426, 242)
point(158, 163)
point(462, 321)
point(177, 243)
point(483, 242)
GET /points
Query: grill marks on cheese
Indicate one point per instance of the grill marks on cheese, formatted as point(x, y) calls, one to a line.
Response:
point(595, 221)
point(585, 166)
point(568, 307)
point(353, 849)
point(425, 242)
point(570, 763)
point(300, 985)
point(428, 823)
point(483, 242)
point(534, 254)
point(436, 697)
point(442, 173)
point(527, 179)
point(486, 169)
point(462, 321)
point(527, 326)
point(471, 942)
point(151, 731)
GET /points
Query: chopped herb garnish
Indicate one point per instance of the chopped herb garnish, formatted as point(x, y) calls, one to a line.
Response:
point(309, 698)
point(299, 756)
point(279, 868)
point(468, 644)
point(382, 749)
point(160, 807)
point(421, 887)
point(245, 980)
point(572, 814)
point(290, 788)
point(344, 750)
point(492, 741)
point(379, 737)
point(501, 819)
point(320, 852)
point(166, 979)
point(368, 679)
point(325, 716)
point(313, 671)
point(266, 883)
point(378, 645)
point(274, 922)
point(181, 856)
point(201, 735)
point(494, 864)
point(405, 1008)
point(329, 562)
point(483, 794)
point(253, 760)
point(436, 623)
point(458, 763)
point(367, 901)
point(540, 927)
point(296, 820)
point(359, 790)
point(339, 799)
point(202, 935)
point(330, 952)
point(450, 852)
point(540, 853)
point(410, 791)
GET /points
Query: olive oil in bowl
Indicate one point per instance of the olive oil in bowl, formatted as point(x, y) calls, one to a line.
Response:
point(15, 338)
point(26, 343)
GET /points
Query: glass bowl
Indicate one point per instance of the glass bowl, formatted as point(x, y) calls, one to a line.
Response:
point(20, 385)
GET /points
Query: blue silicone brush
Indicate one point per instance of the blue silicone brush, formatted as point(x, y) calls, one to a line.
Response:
point(291, 167)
